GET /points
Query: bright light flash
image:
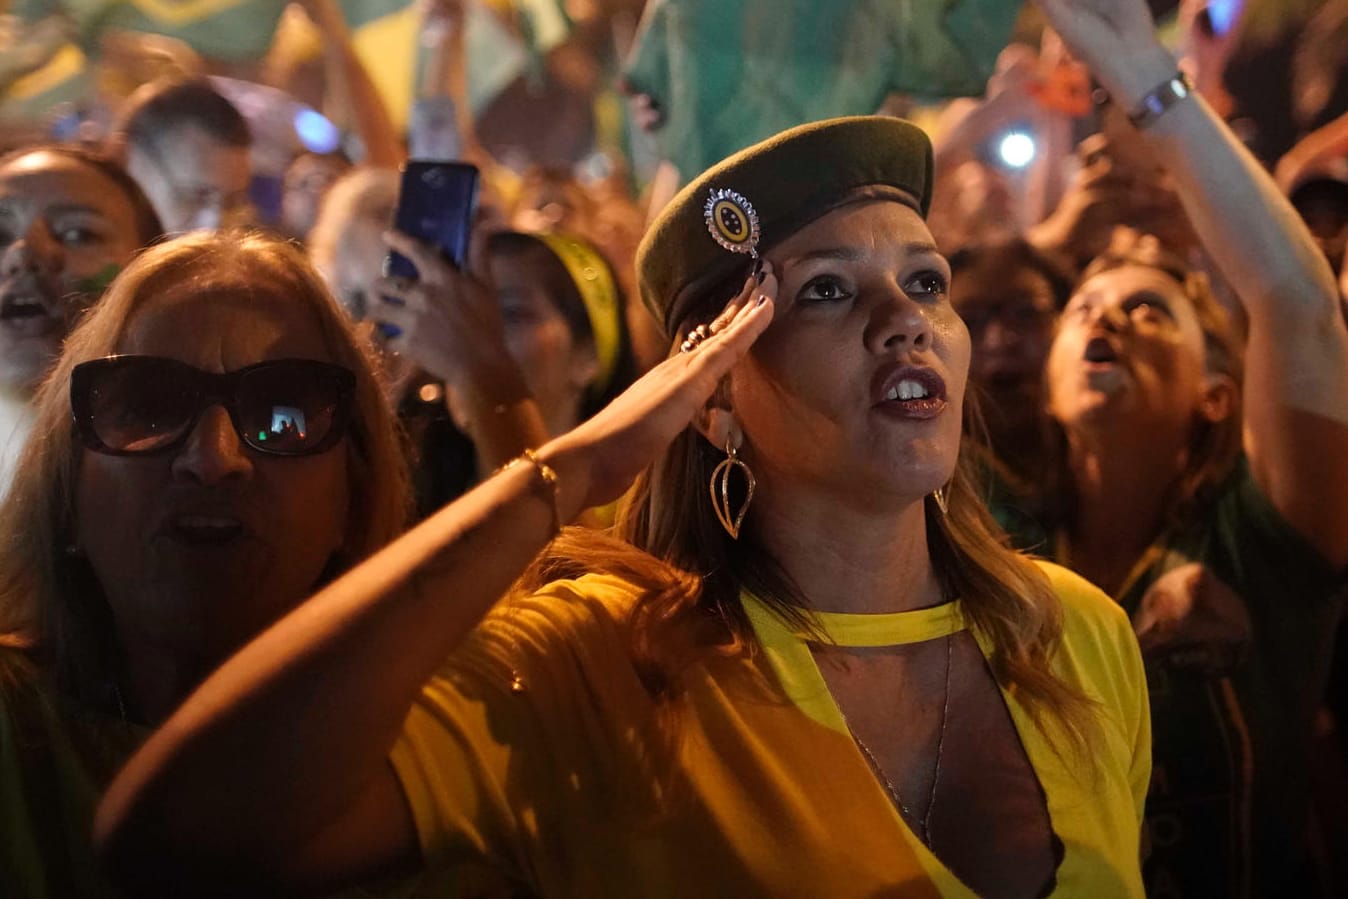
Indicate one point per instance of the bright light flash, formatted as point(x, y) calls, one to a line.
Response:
point(316, 133)
point(1223, 14)
point(1016, 149)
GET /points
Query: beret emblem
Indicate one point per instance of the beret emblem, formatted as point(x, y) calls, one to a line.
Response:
point(732, 221)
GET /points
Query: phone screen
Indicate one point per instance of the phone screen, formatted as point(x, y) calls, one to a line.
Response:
point(436, 204)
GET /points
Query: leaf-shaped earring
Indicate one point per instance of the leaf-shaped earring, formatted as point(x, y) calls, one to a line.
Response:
point(730, 519)
point(942, 502)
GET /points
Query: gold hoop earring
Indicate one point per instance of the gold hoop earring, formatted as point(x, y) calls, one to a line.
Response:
point(720, 499)
point(942, 501)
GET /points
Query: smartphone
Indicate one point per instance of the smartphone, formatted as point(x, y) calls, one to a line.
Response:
point(436, 203)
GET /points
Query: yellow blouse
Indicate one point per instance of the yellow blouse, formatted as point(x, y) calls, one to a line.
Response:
point(565, 789)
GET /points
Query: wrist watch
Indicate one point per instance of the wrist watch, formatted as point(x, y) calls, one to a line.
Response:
point(1156, 101)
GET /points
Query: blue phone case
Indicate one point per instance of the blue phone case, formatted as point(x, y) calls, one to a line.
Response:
point(436, 204)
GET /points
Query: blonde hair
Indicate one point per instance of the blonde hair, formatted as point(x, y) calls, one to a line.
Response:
point(364, 193)
point(1004, 594)
point(1214, 446)
point(50, 603)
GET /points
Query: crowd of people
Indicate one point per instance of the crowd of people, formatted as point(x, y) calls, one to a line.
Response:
point(861, 521)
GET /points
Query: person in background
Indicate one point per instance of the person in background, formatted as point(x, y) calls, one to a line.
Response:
point(212, 446)
point(352, 95)
point(546, 347)
point(188, 149)
point(346, 240)
point(70, 219)
point(307, 181)
point(1009, 295)
point(1205, 487)
point(535, 346)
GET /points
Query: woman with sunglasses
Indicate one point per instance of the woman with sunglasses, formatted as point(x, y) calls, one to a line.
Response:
point(211, 448)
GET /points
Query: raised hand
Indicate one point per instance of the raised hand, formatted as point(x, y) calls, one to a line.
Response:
point(1116, 39)
point(449, 323)
point(605, 454)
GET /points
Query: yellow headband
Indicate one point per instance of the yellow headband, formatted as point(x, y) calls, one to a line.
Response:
point(594, 282)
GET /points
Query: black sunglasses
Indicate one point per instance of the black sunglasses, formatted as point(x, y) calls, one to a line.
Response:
point(140, 405)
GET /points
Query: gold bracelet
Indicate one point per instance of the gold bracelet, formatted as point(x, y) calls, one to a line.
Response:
point(545, 484)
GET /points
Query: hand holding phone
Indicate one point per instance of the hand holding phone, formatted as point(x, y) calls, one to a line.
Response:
point(448, 322)
point(436, 204)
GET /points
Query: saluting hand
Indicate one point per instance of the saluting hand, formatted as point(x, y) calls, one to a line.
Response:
point(599, 459)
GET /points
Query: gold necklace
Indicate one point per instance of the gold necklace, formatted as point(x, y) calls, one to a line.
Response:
point(925, 821)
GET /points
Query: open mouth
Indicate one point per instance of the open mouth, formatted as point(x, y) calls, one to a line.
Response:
point(913, 392)
point(25, 311)
point(1100, 350)
point(23, 305)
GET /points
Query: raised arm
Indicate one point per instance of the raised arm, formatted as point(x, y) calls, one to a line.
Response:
point(274, 772)
point(1296, 365)
point(442, 118)
point(449, 323)
point(371, 119)
point(1326, 144)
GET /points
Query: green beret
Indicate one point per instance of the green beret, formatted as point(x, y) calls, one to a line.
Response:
point(790, 180)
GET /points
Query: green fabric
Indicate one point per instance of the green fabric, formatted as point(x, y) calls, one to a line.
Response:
point(1018, 507)
point(55, 760)
point(242, 29)
point(1236, 673)
point(790, 179)
point(729, 73)
point(223, 29)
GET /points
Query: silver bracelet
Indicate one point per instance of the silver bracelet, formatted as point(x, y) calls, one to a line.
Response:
point(1159, 99)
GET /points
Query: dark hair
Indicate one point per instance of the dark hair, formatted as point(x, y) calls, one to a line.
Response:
point(566, 296)
point(165, 106)
point(1012, 253)
point(1321, 187)
point(148, 227)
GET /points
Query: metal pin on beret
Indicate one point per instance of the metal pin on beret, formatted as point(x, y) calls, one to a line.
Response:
point(732, 222)
point(745, 204)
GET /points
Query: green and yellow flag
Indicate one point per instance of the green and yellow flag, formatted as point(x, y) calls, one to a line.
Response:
point(384, 33)
point(728, 73)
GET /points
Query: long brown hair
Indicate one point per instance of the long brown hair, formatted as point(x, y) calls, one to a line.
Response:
point(690, 574)
point(50, 603)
